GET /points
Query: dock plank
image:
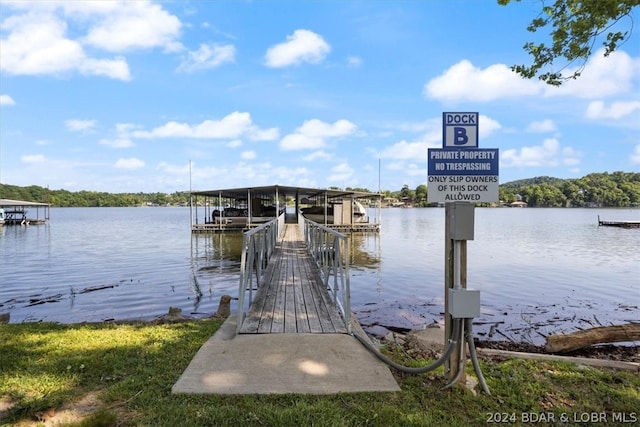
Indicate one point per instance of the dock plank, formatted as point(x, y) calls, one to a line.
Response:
point(291, 297)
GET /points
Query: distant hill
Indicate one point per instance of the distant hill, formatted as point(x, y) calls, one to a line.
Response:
point(531, 181)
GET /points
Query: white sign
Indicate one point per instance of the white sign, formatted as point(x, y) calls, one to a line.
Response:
point(462, 188)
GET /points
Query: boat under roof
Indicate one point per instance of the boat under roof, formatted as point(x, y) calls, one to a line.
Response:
point(250, 206)
point(15, 212)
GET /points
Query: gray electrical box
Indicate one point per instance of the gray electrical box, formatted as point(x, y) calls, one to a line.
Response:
point(461, 221)
point(464, 303)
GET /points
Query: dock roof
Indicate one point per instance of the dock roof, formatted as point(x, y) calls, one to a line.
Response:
point(270, 190)
point(9, 203)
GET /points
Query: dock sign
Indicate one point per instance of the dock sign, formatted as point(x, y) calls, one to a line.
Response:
point(460, 130)
point(460, 171)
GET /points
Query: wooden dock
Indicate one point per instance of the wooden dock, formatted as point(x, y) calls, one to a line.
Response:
point(622, 224)
point(292, 297)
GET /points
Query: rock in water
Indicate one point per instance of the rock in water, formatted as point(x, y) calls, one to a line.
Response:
point(5, 317)
point(175, 312)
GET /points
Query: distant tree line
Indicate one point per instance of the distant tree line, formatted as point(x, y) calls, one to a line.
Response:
point(617, 189)
point(64, 198)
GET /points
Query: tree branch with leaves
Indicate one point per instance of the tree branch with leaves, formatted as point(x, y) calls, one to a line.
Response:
point(576, 26)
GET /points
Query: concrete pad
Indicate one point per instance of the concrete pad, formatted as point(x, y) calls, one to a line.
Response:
point(283, 363)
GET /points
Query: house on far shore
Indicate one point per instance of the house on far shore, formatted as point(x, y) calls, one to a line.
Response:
point(391, 202)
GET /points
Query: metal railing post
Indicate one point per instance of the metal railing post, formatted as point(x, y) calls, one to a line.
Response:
point(258, 245)
point(329, 249)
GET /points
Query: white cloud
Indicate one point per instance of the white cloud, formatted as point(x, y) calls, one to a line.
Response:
point(256, 134)
point(317, 155)
point(542, 126)
point(465, 82)
point(635, 155)
point(75, 125)
point(570, 157)
point(134, 25)
point(233, 125)
point(51, 37)
point(313, 134)
point(37, 45)
point(321, 129)
point(616, 110)
point(301, 46)
point(406, 150)
point(131, 163)
point(6, 100)
point(248, 155)
point(540, 155)
point(354, 62)
point(341, 173)
point(116, 69)
point(33, 158)
point(117, 142)
point(297, 141)
point(208, 56)
point(487, 126)
point(547, 154)
point(234, 144)
point(602, 76)
point(178, 169)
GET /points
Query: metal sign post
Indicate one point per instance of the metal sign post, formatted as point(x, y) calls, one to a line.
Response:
point(460, 175)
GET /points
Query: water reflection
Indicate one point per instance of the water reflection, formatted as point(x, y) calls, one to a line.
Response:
point(215, 264)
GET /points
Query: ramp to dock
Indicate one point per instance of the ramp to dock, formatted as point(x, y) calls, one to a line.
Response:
point(283, 363)
point(292, 297)
point(293, 339)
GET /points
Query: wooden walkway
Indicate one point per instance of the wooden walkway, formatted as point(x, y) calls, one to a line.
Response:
point(291, 297)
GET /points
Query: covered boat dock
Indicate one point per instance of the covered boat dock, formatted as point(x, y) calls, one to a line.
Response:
point(15, 212)
point(239, 209)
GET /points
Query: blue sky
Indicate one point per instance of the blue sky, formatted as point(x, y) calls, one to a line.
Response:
point(162, 96)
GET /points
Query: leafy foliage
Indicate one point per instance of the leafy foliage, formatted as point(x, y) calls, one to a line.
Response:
point(576, 27)
point(64, 198)
point(618, 189)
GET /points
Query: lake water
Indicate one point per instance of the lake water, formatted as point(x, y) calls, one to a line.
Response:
point(539, 271)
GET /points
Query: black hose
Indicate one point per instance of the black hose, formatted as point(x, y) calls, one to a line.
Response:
point(422, 369)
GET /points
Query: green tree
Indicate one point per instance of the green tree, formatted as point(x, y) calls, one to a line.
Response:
point(576, 28)
point(507, 195)
point(407, 192)
point(421, 195)
point(543, 195)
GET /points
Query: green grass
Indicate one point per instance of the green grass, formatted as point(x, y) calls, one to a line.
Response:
point(131, 369)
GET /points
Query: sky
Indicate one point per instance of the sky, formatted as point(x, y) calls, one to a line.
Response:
point(144, 96)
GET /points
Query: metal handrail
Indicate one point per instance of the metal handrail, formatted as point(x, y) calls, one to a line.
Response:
point(257, 246)
point(330, 250)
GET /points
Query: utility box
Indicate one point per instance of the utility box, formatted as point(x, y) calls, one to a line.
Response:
point(464, 303)
point(461, 222)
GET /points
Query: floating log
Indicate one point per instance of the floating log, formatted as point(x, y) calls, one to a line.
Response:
point(562, 343)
